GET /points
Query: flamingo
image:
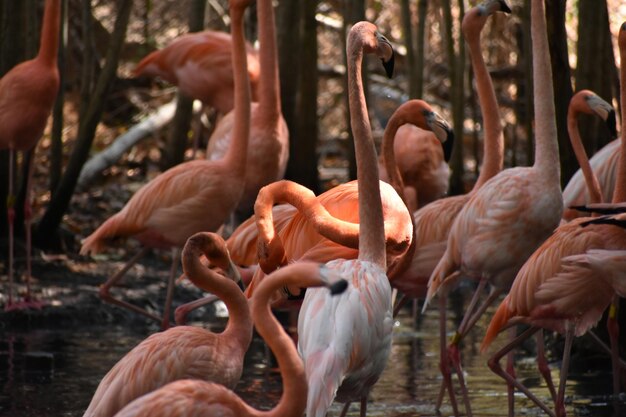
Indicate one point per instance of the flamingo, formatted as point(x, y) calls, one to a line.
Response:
point(27, 94)
point(200, 64)
point(586, 101)
point(184, 352)
point(188, 198)
point(510, 215)
point(269, 137)
point(422, 163)
point(569, 296)
point(345, 342)
point(190, 397)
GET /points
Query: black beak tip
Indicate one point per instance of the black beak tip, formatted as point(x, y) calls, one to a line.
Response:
point(448, 146)
point(504, 7)
point(612, 124)
point(338, 287)
point(388, 65)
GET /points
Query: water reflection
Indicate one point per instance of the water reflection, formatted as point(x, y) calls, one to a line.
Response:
point(55, 373)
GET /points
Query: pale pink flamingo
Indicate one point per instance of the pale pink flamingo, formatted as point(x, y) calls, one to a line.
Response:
point(200, 65)
point(188, 198)
point(345, 342)
point(551, 291)
point(269, 137)
point(510, 215)
point(27, 94)
point(422, 163)
point(195, 397)
point(184, 352)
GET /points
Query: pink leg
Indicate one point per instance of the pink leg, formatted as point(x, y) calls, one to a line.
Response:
point(510, 369)
point(28, 216)
point(560, 399)
point(106, 296)
point(11, 221)
point(542, 364)
point(444, 364)
point(165, 322)
point(180, 315)
point(400, 302)
point(494, 365)
point(363, 407)
point(613, 330)
point(344, 410)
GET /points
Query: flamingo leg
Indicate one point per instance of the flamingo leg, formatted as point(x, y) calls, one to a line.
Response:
point(10, 220)
point(560, 400)
point(345, 408)
point(542, 364)
point(494, 365)
point(613, 330)
point(400, 302)
point(28, 216)
point(510, 369)
point(181, 312)
point(165, 322)
point(363, 406)
point(105, 288)
point(444, 364)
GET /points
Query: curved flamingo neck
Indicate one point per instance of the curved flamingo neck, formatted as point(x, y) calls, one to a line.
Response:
point(269, 84)
point(619, 194)
point(49, 40)
point(293, 399)
point(239, 324)
point(593, 186)
point(235, 157)
point(546, 145)
point(493, 142)
point(372, 234)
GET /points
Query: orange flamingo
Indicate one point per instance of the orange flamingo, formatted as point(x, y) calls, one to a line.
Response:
point(200, 64)
point(194, 397)
point(184, 352)
point(422, 163)
point(345, 341)
point(551, 291)
point(510, 215)
point(269, 137)
point(586, 101)
point(27, 94)
point(188, 198)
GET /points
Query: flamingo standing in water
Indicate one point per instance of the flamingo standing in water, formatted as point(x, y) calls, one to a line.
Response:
point(184, 352)
point(269, 137)
point(564, 294)
point(510, 215)
point(191, 197)
point(200, 64)
point(345, 342)
point(27, 94)
point(189, 397)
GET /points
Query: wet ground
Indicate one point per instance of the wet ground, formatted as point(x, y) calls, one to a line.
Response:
point(52, 362)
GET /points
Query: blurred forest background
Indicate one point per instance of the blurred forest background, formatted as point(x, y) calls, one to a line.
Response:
point(102, 40)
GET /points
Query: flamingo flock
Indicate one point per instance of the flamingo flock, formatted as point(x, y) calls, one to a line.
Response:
point(553, 259)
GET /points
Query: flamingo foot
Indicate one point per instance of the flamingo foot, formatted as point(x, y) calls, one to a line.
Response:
point(26, 304)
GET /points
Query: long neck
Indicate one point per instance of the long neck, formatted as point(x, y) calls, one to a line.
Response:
point(235, 158)
point(493, 145)
point(239, 323)
point(389, 155)
point(546, 146)
point(49, 41)
point(293, 399)
point(269, 86)
point(619, 194)
point(372, 232)
point(593, 186)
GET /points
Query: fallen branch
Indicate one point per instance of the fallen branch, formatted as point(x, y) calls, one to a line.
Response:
point(92, 169)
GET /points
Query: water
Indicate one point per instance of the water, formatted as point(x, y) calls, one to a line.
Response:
point(55, 373)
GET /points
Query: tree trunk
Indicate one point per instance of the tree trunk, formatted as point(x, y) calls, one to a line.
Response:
point(422, 14)
point(594, 46)
point(303, 167)
point(561, 75)
point(56, 147)
point(174, 152)
point(407, 25)
point(48, 227)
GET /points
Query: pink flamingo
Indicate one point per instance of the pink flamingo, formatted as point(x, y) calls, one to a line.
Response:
point(27, 94)
point(510, 215)
point(189, 397)
point(269, 137)
point(345, 341)
point(184, 352)
point(552, 291)
point(200, 64)
point(188, 198)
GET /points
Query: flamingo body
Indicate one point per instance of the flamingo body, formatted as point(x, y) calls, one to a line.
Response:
point(200, 65)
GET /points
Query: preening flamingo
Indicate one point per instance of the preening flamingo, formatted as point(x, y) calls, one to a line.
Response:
point(345, 341)
point(188, 198)
point(269, 137)
point(184, 352)
point(200, 64)
point(200, 398)
point(551, 291)
point(510, 215)
point(27, 94)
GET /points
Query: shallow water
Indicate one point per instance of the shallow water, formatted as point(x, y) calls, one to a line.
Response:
point(55, 373)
